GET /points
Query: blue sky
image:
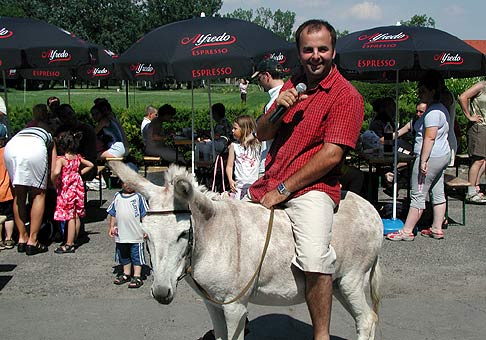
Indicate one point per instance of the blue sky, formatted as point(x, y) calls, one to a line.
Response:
point(462, 18)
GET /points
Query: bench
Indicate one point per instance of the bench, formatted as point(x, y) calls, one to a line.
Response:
point(101, 168)
point(454, 186)
point(460, 159)
point(153, 161)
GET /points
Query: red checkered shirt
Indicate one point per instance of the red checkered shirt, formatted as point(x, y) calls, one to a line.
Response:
point(333, 113)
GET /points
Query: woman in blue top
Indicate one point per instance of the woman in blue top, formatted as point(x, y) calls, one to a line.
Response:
point(433, 155)
point(112, 141)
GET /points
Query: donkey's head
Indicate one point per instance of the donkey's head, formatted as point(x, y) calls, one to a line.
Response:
point(168, 226)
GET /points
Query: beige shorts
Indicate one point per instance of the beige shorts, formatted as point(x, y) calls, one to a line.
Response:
point(312, 216)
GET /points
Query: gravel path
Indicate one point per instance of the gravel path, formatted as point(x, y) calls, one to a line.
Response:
point(431, 290)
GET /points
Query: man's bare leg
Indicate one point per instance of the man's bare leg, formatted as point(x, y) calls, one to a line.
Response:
point(318, 295)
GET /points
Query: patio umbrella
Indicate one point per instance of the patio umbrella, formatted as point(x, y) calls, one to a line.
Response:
point(397, 53)
point(204, 48)
point(30, 43)
point(103, 68)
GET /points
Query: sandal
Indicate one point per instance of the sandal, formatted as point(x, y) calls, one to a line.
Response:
point(124, 278)
point(121, 279)
point(34, 250)
point(400, 235)
point(21, 247)
point(65, 249)
point(438, 235)
point(136, 282)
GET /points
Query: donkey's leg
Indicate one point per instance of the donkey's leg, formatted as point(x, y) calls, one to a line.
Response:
point(218, 319)
point(349, 290)
point(235, 314)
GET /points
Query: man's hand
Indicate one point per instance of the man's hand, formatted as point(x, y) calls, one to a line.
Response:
point(272, 198)
point(289, 97)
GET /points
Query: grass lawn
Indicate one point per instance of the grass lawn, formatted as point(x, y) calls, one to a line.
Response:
point(137, 99)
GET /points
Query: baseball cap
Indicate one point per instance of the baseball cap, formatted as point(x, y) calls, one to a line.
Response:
point(268, 65)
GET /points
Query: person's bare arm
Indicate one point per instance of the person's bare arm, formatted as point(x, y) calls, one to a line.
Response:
point(56, 170)
point(229, 167)
point(466, 97)
point(427, 144)
point(111, 231)
point(319, 165)
point(402, 131)
point(53, 159)
point(87, 166)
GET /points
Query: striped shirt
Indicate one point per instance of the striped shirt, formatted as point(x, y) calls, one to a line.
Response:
point(38, 132)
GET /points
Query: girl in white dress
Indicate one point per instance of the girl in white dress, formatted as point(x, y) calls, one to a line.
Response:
point(244, 156)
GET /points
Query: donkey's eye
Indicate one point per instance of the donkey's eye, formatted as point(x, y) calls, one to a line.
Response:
point(184, 234)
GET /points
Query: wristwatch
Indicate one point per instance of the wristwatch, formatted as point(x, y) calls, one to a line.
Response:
point(282, 189)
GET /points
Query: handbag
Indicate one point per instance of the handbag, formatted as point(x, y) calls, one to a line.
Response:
point(225, 194)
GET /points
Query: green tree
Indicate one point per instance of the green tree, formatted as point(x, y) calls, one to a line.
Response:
point(162, 12)
point(419, 20)
point(280, 22)
point(114, 24)
point(340, 34)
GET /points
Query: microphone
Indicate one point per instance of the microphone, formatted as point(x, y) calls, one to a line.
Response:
point(280, 111)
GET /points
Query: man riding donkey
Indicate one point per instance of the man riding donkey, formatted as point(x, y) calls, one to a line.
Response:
point(302, 166)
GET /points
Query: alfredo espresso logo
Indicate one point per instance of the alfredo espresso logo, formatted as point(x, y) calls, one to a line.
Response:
point(382, 40)
point(55, 56)
point(203, 44)
point(5, 33)
point(445, 58)
point(97, 72)
point(142, 70)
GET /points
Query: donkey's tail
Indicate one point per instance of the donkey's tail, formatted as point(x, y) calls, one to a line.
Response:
point(375, 285)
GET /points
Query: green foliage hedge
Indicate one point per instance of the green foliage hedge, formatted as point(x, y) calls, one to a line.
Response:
point(132, 118)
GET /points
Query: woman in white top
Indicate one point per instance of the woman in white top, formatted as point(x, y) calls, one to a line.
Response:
point(433, 155)
point(28, 157)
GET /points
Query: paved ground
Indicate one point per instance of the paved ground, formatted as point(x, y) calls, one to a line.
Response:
point(432, 290)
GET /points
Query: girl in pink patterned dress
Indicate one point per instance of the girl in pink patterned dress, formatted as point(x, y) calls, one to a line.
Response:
point(69, 186)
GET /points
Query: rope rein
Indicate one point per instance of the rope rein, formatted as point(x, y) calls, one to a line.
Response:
point(250, 282)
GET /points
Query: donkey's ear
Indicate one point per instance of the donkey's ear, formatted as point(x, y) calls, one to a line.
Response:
point(134, 180)
point(183, 188)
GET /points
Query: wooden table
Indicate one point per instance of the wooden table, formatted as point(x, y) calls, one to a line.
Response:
point(181, 143)
point(379, 160)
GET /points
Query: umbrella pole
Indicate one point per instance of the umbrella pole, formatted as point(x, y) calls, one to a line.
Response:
point(211, 120)
point(395, 153)
point(69, 91)
point(192, 128)
point(25, 91)
point(126, 94)
point(4, 77)
point(7, 118)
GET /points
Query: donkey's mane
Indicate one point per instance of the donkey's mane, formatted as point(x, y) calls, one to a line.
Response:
point(176, 171)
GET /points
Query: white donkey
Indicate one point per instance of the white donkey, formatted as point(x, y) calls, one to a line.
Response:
point(222, 242)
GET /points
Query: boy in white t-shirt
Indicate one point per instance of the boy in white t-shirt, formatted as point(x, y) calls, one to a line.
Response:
point(126, 213)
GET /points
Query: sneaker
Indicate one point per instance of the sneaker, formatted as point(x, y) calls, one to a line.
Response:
point(475, 199)
point(103, 183)
point(2, 245)
point(400, 236)
point(95, 184)
point(9, 244)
